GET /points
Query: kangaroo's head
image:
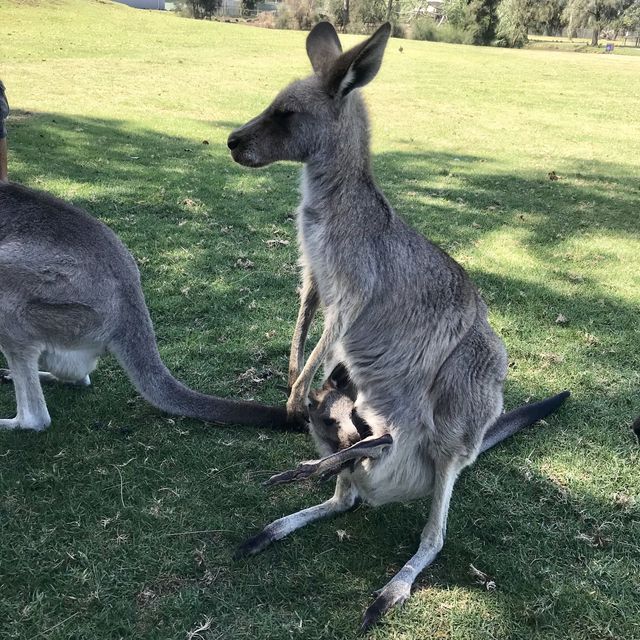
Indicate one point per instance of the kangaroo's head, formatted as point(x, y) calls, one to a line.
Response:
point(314, 115)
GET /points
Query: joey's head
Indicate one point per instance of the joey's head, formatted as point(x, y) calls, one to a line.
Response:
point(330, 413)
point(317, 114)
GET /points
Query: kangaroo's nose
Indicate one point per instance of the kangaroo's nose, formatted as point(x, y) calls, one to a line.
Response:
point(233, 141)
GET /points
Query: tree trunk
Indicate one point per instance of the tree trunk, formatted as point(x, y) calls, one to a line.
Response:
point(389, 10)
point(595, 36)
point(345, 14)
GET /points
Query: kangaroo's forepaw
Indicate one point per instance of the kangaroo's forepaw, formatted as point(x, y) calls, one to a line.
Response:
point(253, 545)
point(393, 595)
point(297, 405)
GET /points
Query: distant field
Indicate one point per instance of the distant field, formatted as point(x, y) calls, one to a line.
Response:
point(119, 522)
point(583, 45)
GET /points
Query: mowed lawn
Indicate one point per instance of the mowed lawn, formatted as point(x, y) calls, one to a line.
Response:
point(119, 522)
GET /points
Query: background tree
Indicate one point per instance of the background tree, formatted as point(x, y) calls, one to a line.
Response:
point(248, 7)
point(485, 16)
point(203, 9)
point(630, 20)
point(596, 14)
point(479, 18)
point(548, 17)
point(515, 18)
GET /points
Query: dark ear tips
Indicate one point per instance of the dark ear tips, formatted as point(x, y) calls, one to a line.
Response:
point(384, 29)
point(358, 66)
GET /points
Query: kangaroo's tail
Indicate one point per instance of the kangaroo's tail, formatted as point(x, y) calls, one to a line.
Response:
point(509, 423)
point(134, 344)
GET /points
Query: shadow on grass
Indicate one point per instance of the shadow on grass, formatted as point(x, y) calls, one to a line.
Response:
point(216, 246)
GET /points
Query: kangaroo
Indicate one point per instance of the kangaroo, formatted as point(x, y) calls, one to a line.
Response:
point(4, 112)
point(400, 313)
point(69, 291)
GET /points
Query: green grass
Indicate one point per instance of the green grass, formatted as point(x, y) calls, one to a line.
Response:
point(110, 110)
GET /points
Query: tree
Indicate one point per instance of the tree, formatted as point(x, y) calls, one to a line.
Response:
point(549, 17)
point(203, 9)
point(485, 16)
point(630, 20)
point(477, 17)
point(514, 17)
point(248, 7)
point(595, 14)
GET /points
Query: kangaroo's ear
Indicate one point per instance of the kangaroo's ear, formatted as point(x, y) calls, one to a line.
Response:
point(314, 400)
point(359, 65)
point(323, 46)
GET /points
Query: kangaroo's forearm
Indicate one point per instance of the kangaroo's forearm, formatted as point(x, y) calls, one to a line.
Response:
point(3, 160)
point(309, 302)
point(330, 336)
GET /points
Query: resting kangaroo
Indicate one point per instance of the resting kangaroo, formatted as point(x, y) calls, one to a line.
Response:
point(401, 314)
point(69, 290)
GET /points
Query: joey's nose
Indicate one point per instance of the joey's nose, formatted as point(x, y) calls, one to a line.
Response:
point(233, 141)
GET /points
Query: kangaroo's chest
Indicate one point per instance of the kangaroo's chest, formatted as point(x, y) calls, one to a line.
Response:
point(321, 256)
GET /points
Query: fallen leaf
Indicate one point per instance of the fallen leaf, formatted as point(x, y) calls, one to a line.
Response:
point(276, 241)
point(244, 263)
point(342, 534)
point(561, 319)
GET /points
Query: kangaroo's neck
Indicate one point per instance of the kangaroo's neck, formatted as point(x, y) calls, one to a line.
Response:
point(338, 181)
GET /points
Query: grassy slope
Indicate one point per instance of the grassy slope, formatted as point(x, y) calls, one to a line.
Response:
point(111, 106)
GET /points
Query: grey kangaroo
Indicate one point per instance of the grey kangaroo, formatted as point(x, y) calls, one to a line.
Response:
point(399, 313)
point(69, 291)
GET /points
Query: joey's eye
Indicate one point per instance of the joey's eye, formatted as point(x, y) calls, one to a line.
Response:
point(328, 422)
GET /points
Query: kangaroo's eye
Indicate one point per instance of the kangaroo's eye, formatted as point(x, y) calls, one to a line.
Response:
point(329, 422)
point(283, 114)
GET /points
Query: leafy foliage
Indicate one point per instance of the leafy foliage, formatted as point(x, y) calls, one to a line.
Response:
point(515, 17)
point(203, 9)
point(595, 14)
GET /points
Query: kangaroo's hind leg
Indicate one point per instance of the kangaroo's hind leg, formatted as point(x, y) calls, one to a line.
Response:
point(31, 406)
point(343, 499)
point(467, 398)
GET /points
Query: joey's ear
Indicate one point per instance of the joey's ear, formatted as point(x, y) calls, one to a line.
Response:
point(339, 377)
point(359, 65)
point(323, 46)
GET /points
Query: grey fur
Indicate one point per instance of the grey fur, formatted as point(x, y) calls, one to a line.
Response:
point(69, 291)
point(399, 312)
